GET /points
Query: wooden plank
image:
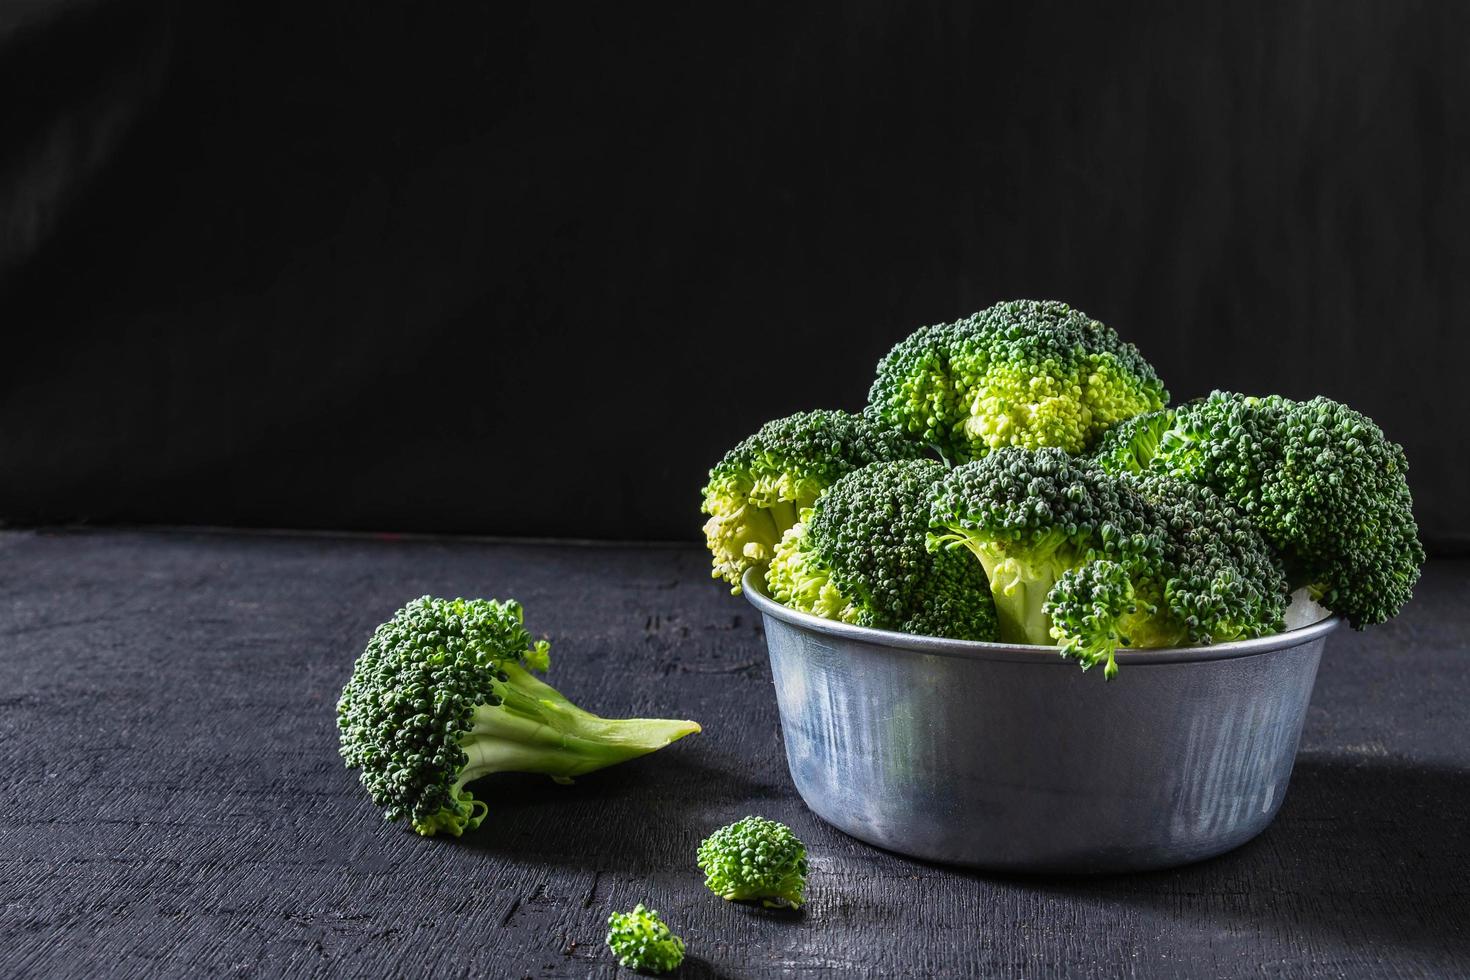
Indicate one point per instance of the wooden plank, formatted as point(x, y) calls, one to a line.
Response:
point(173, 803)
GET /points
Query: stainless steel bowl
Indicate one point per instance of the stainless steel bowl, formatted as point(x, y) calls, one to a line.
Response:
point(1012, 758)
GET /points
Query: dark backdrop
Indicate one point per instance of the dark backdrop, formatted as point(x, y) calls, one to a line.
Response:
point(529, 268)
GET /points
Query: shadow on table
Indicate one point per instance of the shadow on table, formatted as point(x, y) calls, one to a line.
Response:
point(626, 817)
point(694, 968)
point(1376, 850)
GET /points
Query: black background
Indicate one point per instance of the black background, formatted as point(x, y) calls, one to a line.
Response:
point(529, 269)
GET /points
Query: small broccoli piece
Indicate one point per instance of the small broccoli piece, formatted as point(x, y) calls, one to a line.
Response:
point(759, 489)
point(1324, 485)
point(1128, 446)
point(755, 858)
point(1029, 516)
point(641, 941)
point(1021, 373)
point(442, 696)
point(860, 556)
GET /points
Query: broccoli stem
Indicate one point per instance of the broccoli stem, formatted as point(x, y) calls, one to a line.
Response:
point(1021, 576)
point(536, 729)
point(784, 514)
point(1019, 593)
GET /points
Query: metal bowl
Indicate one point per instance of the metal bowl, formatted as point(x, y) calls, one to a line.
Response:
point(1011, 758)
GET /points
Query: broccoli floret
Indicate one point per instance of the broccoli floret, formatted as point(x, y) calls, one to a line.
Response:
point(1218, 581)
point(1224, 580)
point(1099, 562)
point(1324, 485)
point(1031, 515)
point(759, 489)
point(443, 695)
point(755, 859)
point(860, 556)
point(1022, 373)
point(642, 941)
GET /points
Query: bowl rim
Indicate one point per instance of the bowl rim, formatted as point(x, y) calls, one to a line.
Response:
point(754, 588)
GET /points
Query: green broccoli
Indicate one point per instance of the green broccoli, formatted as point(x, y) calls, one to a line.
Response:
point(443, 695)
point(641, 941)
point(1218, 581)
point(1099, 562)
point(1022, 373)
point(1324, 485)
point(860, 556)
point(755, 858)
point(758, 490)
point(1031, 515)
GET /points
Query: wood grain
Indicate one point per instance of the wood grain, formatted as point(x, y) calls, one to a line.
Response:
point(173, 804)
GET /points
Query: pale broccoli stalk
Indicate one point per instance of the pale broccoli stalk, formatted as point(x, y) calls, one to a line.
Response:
point(442, 696)
point(755, 859)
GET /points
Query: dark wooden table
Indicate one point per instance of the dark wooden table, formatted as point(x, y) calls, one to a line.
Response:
point(174, 805)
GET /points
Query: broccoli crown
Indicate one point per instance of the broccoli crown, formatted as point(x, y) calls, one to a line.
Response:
point(1022, 373)
point(1029, 516)
point(1098, 562)
point(1223, 580)
point(1128, 446)
point(860, 555)
point(755, 858)
point(642, 941)
point(1217, 580)
point(760, 487)
point(1325, 486)
point(442, 695)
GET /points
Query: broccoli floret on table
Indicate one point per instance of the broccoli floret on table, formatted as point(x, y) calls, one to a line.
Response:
point(642, 941)
point(755, 859)
point(443, 695)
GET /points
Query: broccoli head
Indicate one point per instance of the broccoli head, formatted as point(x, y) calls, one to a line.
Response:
point(1218, 580)
point(1029, 516)
point(1098, 562)
point(443, 695)
point(758, 490)
point(859, 555)
point(755, 859)
point(1022, 373)
point(642, 941)
point(1327, 489)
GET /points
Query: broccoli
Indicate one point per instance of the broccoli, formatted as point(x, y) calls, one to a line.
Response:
point(1218, 581)
point(1022, 373)
point(860, 556)
point(641, 941)
point(443, 694)
point(1098, 562)
point(1031, 515)
point(1324, 485)
point(755, 858)
point(758, 490)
